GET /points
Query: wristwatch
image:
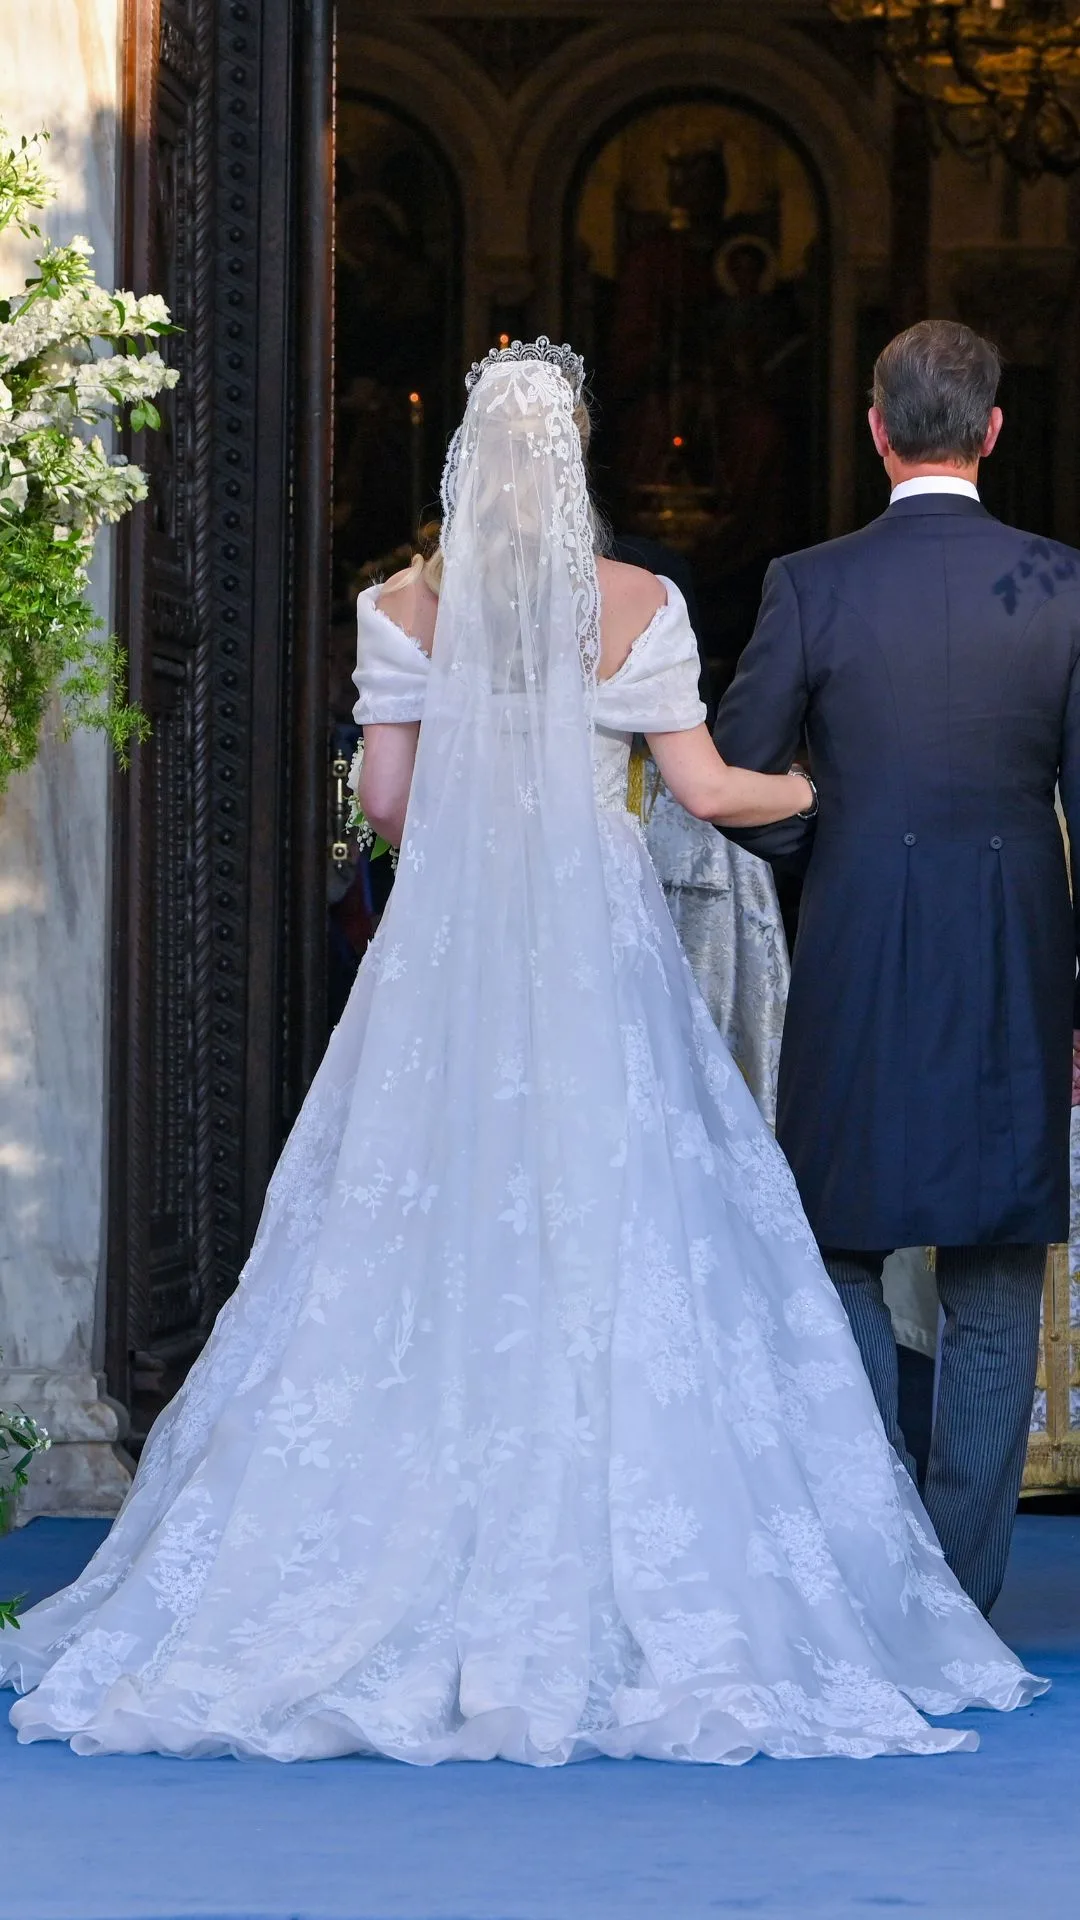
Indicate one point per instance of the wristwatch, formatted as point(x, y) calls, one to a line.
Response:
point(808, 813)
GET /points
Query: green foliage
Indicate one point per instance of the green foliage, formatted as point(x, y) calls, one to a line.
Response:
point(51, 637)
point(71, 354)
point(20, 1439)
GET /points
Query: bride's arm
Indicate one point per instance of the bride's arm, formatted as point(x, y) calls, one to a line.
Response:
point(730, 796)
point(386, 776)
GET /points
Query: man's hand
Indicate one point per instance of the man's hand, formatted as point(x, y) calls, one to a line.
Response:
point(1076, 1070)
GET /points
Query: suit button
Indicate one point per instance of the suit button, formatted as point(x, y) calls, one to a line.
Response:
point(909, 839)
point(996, 843)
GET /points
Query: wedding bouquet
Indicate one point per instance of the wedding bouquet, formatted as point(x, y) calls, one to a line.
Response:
point(71, 356)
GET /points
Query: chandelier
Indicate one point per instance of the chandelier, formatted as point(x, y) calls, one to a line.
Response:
point(999, 76)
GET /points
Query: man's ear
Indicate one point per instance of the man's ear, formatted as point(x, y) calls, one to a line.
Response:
point(997, 420)
point(878, 433)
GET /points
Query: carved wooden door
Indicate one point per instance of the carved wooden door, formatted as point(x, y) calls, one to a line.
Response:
point(218, 845)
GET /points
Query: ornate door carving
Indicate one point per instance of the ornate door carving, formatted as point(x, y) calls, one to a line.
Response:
point(212, 1008)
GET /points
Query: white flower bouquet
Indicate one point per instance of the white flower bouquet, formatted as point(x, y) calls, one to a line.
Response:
point(359, 825)
point(72, 355)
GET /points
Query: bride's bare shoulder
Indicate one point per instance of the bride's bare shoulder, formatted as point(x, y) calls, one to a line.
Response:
point(628, 590)
point(629, 599)
point(409, 602)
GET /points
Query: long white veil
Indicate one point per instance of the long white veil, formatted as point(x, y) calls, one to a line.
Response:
point(497, 946)
point(500, 884)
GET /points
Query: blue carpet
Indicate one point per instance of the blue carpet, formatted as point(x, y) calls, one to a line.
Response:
point(992, 1835)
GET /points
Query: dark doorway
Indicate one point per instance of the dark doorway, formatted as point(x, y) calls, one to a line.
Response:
point(397, 333)
point(697, 291)
point(397, 380)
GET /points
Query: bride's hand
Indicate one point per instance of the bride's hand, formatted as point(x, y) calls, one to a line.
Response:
point(709, 789)
point(809, 803)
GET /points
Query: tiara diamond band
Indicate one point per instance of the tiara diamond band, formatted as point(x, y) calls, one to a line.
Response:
point(570, 364)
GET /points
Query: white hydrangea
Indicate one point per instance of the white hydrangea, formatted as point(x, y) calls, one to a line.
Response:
point(60, 372)
point(74, 357)
point(152, 311)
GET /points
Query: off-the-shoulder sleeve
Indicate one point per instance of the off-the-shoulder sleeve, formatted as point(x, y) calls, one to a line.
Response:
point(656, 688)
point(391, 668)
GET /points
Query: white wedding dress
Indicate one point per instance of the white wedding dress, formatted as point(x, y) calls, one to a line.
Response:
point(535, 1428)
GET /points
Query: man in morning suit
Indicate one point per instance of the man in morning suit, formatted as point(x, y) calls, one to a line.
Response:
point(933, 661)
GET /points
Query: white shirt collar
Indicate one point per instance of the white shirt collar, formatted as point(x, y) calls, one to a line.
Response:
point(933, 483)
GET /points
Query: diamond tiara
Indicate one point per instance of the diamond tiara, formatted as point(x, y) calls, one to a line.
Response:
point(570, 364)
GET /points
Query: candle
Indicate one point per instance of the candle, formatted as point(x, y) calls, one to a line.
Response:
point(416, 450)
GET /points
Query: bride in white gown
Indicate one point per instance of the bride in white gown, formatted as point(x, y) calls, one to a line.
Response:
point(534, 1428)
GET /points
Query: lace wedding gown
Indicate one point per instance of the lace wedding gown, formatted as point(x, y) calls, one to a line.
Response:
point(486, 1460)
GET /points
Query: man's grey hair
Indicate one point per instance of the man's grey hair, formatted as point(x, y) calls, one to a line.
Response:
point(934, 387)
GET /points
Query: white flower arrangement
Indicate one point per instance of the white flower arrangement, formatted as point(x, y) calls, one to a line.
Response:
point(359, 825)
point(72, 355)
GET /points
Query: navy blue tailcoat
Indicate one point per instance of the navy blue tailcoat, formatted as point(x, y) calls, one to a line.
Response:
point(932, 659)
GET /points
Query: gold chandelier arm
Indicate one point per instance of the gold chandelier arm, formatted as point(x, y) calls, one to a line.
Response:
point(996, 75)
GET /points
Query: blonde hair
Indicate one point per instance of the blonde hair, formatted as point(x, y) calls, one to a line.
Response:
point(427, 562)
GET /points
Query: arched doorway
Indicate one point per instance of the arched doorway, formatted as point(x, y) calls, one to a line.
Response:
point(696, 285)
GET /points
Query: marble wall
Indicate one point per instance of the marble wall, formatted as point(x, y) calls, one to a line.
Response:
point(60, 69)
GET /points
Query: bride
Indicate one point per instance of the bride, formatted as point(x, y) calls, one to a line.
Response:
point(535, 1428)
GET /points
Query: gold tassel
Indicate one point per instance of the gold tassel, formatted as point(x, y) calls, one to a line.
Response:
point(635, 785)
point(639, 800)
point(931, 1259)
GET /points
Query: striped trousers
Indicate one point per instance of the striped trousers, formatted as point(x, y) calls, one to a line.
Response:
point(986, 1382)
